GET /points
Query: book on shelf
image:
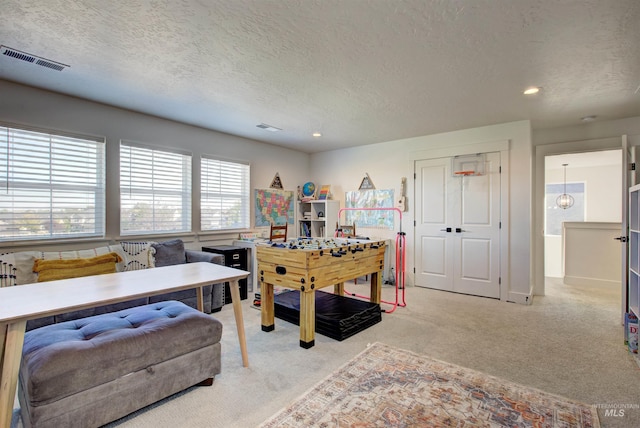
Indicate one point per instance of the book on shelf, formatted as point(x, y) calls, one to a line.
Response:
point(304, 230)
point(631, 332)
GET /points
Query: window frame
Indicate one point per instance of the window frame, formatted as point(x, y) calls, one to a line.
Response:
point(60, 179)
point(243, 193)
point(156, 192)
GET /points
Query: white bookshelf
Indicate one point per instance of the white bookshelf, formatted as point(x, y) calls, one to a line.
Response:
point(319, 217)
point(634, 250)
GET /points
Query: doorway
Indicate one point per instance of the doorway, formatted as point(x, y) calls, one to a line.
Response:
point(593, 180)
point(541, 151)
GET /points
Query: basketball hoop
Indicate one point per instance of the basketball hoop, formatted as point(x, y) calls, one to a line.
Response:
point(468, 165)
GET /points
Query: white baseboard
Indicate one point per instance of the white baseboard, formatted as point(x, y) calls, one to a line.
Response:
point(576, 280)
point(521, 298)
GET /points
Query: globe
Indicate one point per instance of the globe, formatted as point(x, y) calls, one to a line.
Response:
point(308, 189)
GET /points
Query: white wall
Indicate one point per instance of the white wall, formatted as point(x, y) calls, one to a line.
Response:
point(592, 255)
point(386, 163)
point(603, 199)
point(601, 128)
point(26, 105)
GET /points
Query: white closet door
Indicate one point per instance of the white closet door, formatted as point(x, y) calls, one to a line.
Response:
point(458, 228)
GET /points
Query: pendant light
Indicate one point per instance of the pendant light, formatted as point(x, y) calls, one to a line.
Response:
point(565, 200)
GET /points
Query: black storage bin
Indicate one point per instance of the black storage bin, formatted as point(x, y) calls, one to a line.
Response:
point(337, 317)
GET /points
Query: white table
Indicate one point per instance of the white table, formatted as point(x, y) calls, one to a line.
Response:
point(21, 303)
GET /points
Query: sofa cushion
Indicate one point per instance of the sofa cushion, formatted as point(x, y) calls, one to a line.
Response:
point(50, 270)
point(194, 256)
point(23, 261)
point(138, 255)
point(17, 267)
point(169, 253)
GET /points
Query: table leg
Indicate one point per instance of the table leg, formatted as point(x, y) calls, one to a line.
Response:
point(267, 312)
point(307, 318)
point(234, 287)
point(339, 289)
point(376, 287)
point(12, 339)
point(199, 299)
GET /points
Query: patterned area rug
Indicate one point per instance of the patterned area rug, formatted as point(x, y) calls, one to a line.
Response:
point(389, 387)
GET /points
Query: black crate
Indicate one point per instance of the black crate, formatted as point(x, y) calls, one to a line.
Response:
point(337, 317)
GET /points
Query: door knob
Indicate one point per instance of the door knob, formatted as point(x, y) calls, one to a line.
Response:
point(621, 238)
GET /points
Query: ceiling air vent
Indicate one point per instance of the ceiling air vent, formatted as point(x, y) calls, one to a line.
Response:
point(34, 59)
point(268, 127)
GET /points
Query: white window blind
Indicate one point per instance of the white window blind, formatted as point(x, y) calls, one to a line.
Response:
point(155, 190)
point(51, 185)
point(224, 199)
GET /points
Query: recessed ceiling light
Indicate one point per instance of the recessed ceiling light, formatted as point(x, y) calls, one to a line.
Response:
point(268, 127)
point(588, 118)
point(317, 134)
point(532, 90)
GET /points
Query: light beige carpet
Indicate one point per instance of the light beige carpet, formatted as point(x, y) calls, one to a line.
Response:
point(569, 343)
point(388, 386)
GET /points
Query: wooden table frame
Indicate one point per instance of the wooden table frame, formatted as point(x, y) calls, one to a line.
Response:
point(25, 302)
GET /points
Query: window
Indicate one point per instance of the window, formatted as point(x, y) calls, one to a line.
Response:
point(155, 190)
point(224, 195)
point(51, 185)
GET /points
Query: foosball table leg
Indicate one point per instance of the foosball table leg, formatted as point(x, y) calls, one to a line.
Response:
point(307, 318)
point(339, 289)
point(266, 307)
point(376, 287)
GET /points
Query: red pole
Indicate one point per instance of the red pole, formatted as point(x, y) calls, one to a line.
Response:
point(400, 258)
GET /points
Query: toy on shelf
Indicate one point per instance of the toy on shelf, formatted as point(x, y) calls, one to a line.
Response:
point(308, 191)
point(325, 192)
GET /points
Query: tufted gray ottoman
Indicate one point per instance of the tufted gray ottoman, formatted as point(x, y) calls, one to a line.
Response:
point(92, 371)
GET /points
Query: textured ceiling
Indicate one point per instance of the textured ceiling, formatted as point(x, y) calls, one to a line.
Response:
point(358, 71)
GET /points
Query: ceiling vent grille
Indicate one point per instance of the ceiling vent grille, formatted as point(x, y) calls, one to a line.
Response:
point(34, 59)
point(268, 127)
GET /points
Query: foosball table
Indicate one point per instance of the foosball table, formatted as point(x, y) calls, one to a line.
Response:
point(308, 265)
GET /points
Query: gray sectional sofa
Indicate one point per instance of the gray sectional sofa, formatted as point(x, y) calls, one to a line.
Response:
point(17, 268)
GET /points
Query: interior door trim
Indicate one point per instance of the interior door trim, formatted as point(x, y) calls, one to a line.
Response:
point(503, 147)
point(466, 149)
point(541, 151)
